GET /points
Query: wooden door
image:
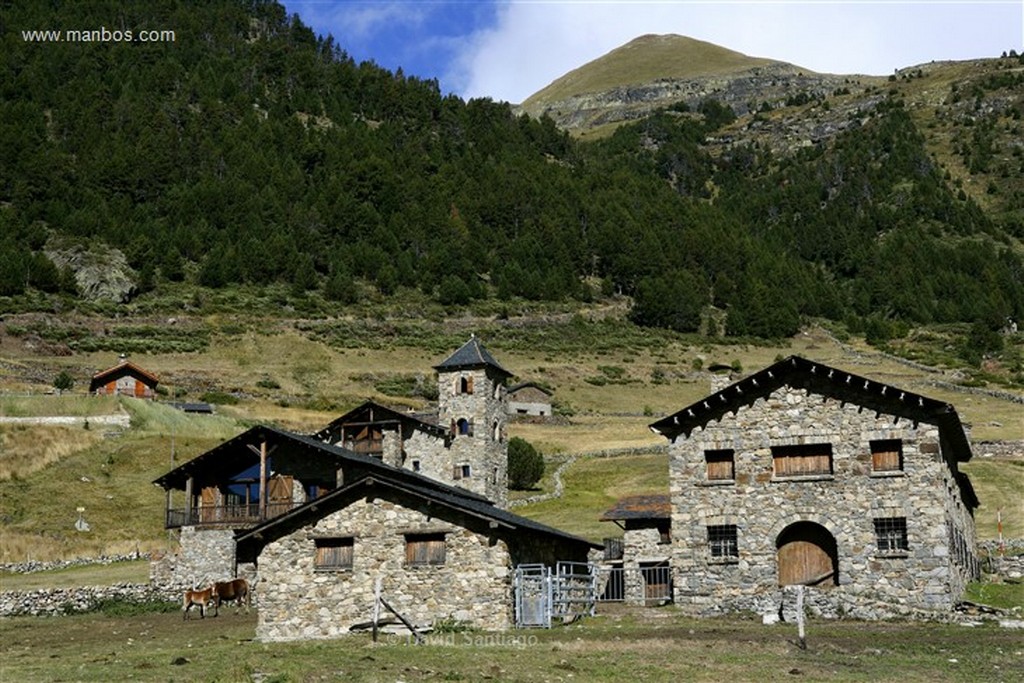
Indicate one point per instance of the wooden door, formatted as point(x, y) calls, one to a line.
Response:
point(807, 556)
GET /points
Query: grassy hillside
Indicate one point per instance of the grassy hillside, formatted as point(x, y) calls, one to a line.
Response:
point(642, 60)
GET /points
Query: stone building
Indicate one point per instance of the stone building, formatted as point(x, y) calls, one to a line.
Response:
point(530, 399)
point(806, 474)
point(645, 550)
point(412, 500)
point(438, 555)
point(464, 443)
point(124, 379)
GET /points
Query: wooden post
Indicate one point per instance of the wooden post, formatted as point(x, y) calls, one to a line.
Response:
point(376, 607)
point(800, 616)
point(263, 480)
point(188, 500)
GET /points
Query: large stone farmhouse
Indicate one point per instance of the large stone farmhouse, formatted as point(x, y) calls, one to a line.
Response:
point(377, 495)
point(806, 474)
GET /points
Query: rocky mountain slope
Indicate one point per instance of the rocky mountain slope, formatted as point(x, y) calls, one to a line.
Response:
point(967, 112)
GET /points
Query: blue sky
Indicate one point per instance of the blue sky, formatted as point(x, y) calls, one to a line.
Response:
point(507, 50)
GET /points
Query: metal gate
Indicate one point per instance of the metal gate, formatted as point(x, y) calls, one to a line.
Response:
point(643, 585)
point(532, 587)
point(566, 592)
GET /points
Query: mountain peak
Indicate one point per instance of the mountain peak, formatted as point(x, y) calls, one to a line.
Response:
point(645, 59)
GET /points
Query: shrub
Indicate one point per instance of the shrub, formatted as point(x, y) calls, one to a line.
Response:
point(525, 464)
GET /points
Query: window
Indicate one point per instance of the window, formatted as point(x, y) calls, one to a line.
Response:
point(333, 553)
point(664, 532)
point(424, 549)
point(464, 427)
point(721, 465)
point(800, 461)
point(462, 472)
point(465, 385)
point(415, 465)
point(722, 540)
point(887, 455)
point(891, 534)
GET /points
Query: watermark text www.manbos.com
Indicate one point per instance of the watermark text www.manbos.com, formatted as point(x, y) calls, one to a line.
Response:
point(98, 35)
point(467, 639)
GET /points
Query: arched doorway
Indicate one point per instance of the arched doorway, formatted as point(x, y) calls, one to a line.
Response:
point(807, 555)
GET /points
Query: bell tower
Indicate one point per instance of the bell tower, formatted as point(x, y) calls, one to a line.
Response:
point(472, 405)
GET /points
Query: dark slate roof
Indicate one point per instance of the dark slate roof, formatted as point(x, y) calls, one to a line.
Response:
point(234, 455)
point(373, 412)
point(656, 506)
point(823, 380)
point(522, 385)
point(428, 490)
point(192, 407)
point(472, 354)
point(120, 370)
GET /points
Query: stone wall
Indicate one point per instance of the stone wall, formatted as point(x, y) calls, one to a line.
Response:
point(299, 601)
point(203, 556)
point(58, 601)
point(870, 584)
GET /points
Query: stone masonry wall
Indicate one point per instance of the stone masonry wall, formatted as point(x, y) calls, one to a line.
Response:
point(203, 556)
point(298, 601)
point(486, 451)
point(640, 544)
point(871, 584)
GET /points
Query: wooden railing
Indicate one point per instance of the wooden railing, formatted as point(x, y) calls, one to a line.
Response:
point(226, 515)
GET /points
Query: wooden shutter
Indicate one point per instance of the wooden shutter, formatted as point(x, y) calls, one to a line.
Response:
point(424, 549)
point(208, 504)
point(886, 456)
point(796, 461)
point(721, 464)
point(334, 553)
point(469, 385)
point(280, 489)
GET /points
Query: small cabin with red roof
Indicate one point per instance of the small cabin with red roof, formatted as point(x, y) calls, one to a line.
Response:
point(124, 379)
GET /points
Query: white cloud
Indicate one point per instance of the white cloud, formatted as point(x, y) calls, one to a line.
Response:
point(533, 43)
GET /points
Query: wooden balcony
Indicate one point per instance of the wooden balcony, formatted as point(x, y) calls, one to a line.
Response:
point(229, 516)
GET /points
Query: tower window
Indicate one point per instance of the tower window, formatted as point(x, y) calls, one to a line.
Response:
point(464, 427)
point(465, 385)
point(415, 465)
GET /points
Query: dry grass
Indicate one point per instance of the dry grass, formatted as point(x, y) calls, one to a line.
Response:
point(25, 449)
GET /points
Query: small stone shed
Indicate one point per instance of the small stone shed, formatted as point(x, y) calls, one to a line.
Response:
point(805, 474)
point(530, 399)
point(439, 554)
point(124, 379)
point(646, 545)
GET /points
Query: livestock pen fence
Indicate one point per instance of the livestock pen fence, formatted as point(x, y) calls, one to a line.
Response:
point(570, 590)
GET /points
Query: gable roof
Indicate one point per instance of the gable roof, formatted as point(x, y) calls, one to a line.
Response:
point(123, 368)
point(472, 354)
point(372, 412)
point(652, 506)
point(427, 490)
point(820, 379)
point(524, 385)
point(234, 455)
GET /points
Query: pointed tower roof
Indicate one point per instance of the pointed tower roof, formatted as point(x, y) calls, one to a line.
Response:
point(472, 354)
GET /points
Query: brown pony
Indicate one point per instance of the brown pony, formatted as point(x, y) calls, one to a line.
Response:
point(236, 590)
point(202, 599)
